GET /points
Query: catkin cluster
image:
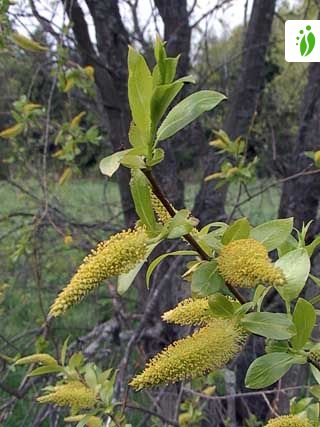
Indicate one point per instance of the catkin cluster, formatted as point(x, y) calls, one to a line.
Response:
point(118, 255)
point(288, 421)
point(208, 349)
point(74, 394)
point(189, 312)
point(245, 263)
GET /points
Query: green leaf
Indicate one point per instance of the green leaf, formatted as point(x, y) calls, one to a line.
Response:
point(274, 346)
point(139, 89)
point(48, 369)
point(64, 351)
point(221, 306)
point(157, 261)
point(110, 164)
point(180, 224)
point(311, 248)
point(273, 233)
point(76, 360)
point(206, 280)
point(170, 68)
point(162, 97)
point(315, 372)
point(126, 280)
point(271, 325)
point(289, 245)
point(313, 412)
point(188, 110)
point(315, 390)
point(240, 229)
point(132, 161)
point(157, 157)
point(304, 318)
point(90, 376)
point(140, 191)
point(295, 266)
point(138, 138)
point(268, 369)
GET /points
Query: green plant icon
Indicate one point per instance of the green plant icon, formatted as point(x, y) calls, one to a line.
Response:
point(306, 40)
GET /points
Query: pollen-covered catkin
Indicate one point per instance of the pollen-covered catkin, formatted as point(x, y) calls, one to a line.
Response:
point(208, 349)
point(74, 393)
point(161, 212)
point(288, 421)
point(118, 255)
point(245, 263)
point(189, 312)
point(314, 356)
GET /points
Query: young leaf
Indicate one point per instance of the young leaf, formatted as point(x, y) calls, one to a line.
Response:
point(125, 280)
point(304, 318)
point(64, 351)
point(221, 306)
point(140, 191)
point(162, 97)
point(240, 229)
point(110, 164)
point(273, 233)
point(180, 224)
point(188, 110)
point(139, 89)
point(315, 372)
point(206, 280)
point(267, 369)
point(271, 325)
point(157, 261)
point(170, 68)
point(295, 266)
point(48, 369)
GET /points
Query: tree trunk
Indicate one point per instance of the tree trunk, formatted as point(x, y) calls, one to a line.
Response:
point(210, 203)
point(111, 76)
point(300, 197)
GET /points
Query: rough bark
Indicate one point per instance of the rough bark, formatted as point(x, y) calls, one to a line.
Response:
point(177, 34)
point(110, 64)
point(209, 201)
point(300, 197)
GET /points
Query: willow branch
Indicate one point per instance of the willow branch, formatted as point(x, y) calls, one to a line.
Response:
point(203, 255)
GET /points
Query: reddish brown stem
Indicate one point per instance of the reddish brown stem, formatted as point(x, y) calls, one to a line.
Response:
point(203, 255)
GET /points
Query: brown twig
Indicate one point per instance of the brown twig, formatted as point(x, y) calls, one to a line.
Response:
point(203, 255)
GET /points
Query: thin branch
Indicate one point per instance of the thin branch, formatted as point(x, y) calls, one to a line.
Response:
point(158, 192)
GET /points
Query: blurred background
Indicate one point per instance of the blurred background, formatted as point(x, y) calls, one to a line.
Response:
point(68, 108)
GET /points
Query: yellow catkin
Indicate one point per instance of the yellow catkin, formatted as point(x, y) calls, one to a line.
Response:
point(44, 359)
point(161, 212)
point(12, 131)
point(91, 422)
point(208, 349)
point(245, 263)
point(119, 254)
point(189, 312)
point(317, 156)
point(89, 71)
point(288, 421)
point(72, 394)
point(314, 356)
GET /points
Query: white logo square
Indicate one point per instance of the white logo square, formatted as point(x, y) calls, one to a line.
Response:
point(302, 41)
